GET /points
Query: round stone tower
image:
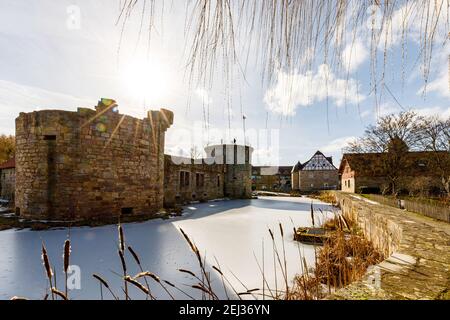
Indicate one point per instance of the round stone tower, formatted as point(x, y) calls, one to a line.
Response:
point(236, 160)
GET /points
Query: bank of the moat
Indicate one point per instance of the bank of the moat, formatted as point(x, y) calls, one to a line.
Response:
point(418, 248)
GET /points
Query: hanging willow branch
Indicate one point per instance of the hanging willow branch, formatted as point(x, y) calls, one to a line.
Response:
point(284, 34)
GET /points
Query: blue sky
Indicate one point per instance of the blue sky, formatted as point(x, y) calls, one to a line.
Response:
point(48, 61)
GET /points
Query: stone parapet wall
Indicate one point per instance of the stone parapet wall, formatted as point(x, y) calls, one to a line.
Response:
point(77, 165)
point(417, 247)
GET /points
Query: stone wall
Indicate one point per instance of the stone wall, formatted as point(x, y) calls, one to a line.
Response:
point(312, 180)
point(417, 250)
point(7, 183)
point(295, 182)
point(238, 168)
point(186, 181)
point(76, 165)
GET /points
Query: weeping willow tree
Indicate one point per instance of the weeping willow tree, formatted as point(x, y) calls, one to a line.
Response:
point(297, 34)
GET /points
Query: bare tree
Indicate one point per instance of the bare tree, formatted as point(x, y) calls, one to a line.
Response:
point(379, 137)
point(435, 137)
point(394, 136)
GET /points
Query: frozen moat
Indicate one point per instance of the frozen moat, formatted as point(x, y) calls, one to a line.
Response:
point(232, 233)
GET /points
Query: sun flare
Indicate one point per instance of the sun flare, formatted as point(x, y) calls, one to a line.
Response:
point(146, 80)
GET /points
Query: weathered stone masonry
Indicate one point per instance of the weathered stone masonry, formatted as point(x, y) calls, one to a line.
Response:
point(226, 172)
point(7, 180)
point(76, 165)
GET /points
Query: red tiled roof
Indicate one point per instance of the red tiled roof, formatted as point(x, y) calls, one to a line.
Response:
point(10, 164)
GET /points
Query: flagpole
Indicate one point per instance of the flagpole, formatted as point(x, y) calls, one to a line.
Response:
point(245, 138)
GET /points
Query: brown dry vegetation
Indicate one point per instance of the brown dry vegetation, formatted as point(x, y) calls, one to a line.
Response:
point(344, 258)
point(325, 196)
point(7, 147)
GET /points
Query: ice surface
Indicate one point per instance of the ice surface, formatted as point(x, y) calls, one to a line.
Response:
point(233, 232)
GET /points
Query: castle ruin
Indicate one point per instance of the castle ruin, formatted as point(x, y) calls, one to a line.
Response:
point(99, 163)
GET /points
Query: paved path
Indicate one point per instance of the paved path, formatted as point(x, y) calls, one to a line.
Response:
point(419, 264)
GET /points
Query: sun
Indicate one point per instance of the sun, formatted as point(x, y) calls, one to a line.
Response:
point(147, 80)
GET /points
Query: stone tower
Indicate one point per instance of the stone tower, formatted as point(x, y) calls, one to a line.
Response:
point(88, 163)
point(237, 168)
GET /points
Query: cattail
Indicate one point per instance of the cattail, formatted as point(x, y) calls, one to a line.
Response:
point(59, 293)
point(218, 270)
point(154, 277)
point(138, 261)
point(147, 274)
point(188, 272)
point(312, 214)
point(201, 288)
point(134, 254)
point(122, 260)
point(124, 268)
point(66, 255)
point(194, 249)
point(46, 262)
point(104, 283)
point(121, 238)
point(66, 258)
point(101, 280)
point(271, 234)
point(169, 283)
point(281, 230)
point(136, 284)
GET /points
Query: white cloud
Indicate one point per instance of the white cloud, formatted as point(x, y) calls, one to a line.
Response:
point(440, 85)
point(337, 144)
point(443, 113)
point(294, 89)
point(389, 108)
point(18, 98)
point(353, 55)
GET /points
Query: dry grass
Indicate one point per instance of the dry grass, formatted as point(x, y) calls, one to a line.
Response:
point(344, 258)
point(325, 196)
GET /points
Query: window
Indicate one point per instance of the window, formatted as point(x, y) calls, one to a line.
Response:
point(126, 211)
point(311, 175)
point(184, 179)
point(199, 180)
point(50, 137)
